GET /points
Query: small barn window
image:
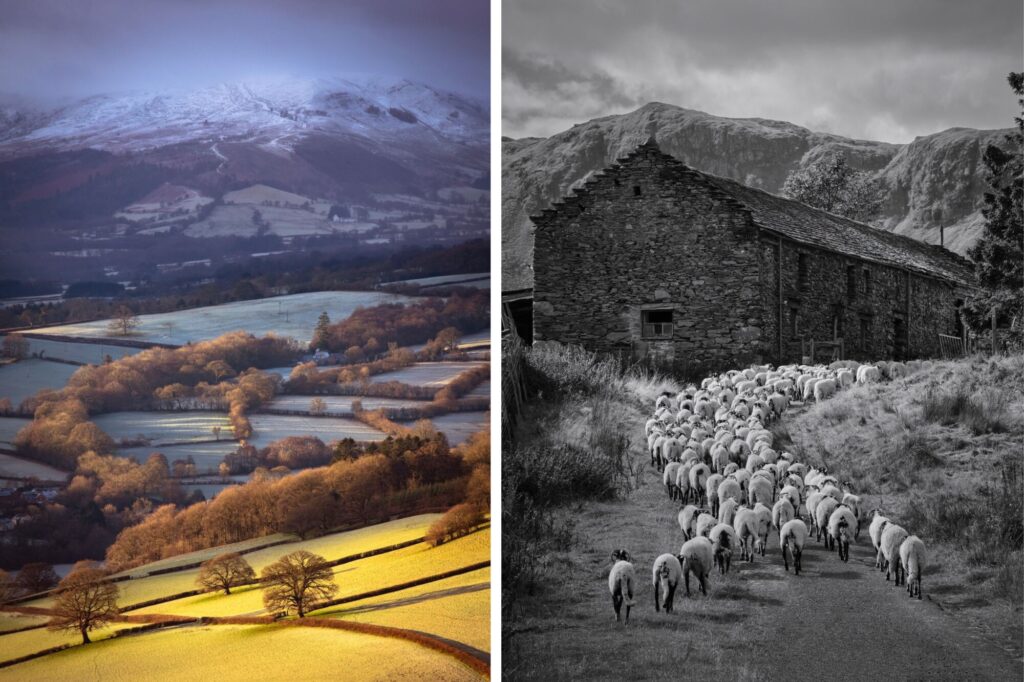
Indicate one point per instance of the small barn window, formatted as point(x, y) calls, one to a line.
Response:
point(851, 282)
point(802, 271)
point(636, 190)
point(867, 282)
point(657, 324)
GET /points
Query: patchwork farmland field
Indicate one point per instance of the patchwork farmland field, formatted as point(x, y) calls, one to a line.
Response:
point(270, 427)
point(427, 373)
point(207, 456)
point(164, 427)
point(237, 652)
point(9, 427)
point(15, 467)
point(87, 353)
point(293, 316)
point(458, 426)
point(339, 404)
point(25, 378)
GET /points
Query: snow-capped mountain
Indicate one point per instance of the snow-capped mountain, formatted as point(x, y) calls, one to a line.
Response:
point(278, 111)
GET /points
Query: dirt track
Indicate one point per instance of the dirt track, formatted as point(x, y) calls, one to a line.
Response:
point(835, 621)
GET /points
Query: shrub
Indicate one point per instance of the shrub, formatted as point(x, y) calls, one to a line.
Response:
point(456, 522)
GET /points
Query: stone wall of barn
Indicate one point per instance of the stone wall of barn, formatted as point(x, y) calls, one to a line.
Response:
point(879, 312)
point(645, 237)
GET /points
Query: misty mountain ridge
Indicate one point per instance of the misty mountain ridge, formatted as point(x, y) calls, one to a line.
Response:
point(935, 179)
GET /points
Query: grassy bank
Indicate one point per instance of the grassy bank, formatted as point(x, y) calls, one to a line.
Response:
point(939, 452)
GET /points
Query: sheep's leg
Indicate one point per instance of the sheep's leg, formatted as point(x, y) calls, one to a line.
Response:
point(686, 580)
point(628, 607)
point(703, 585)
point(785, 559)
point(617, 603)
point(657, 594)
point(669, 602)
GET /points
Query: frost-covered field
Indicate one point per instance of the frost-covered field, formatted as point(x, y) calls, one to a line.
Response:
point(9, 427)
point(339, 404)
point(270, 427)
point(427, 373)
point(458, 426)
point(207, 456)
point(164, 427)
point(293, 315)
point(14, 467)
point(481, 391)
point(23, 379)
point(86, 353)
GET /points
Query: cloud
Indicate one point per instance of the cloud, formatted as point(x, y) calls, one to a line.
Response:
point(872, 69)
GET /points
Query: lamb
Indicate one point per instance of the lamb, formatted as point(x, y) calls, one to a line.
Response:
point(665, 576)
point(620, 582)
point(697, 557)
point(912, 558)
point(792, 537)
point(840, 525)
point(745, 523)
point(727, 510)
point(875, 530)
point(822, 513)
point(723, 539)
point(892, 537)
point(761, 490)
point(782, 513)
point(705, 522)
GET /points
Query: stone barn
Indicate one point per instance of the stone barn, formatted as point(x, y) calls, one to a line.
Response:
point(653, 259)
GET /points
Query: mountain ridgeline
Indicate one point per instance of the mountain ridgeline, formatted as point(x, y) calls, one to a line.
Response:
point(934, 180)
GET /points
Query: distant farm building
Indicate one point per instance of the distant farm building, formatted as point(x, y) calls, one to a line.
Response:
point(652, 259)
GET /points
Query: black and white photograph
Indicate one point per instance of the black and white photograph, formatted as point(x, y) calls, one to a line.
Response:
point(762, 318)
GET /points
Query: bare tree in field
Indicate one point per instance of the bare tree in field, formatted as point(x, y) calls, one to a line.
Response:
point(216, 432)
point(36, 577)
point(224, 572)
point(317, 406)
point(15, 346)
point(124, 321)
point(85, 601)
point(8, 587)
point(297, 583)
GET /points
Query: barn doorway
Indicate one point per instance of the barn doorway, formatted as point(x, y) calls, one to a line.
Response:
point(900, 342)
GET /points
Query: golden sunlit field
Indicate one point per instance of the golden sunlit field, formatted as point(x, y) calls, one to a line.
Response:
point(228, 652)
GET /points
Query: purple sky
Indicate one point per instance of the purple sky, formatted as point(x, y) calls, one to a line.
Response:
point(876, 69)
point(56, 49)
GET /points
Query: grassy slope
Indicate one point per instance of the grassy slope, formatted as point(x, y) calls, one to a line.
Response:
point(19, 644)
point(242, 652)
point(455, 608)
point(880, 439)
point(357, 577)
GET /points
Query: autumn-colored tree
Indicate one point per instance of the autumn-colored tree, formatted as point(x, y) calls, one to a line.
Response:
point(15, 346)
point(36, 577)
point(8, 587)
point(456, 522)
point(317, 406)
point(85, 600)
point(296, 583)
point(123, 321)
point(224, 572)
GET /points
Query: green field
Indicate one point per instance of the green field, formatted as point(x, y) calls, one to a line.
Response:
point(228, 652)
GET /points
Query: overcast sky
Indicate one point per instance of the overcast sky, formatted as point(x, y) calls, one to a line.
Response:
point(872, 69)
point(60, 48)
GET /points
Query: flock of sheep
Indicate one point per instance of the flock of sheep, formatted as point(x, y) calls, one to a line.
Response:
point(715, 453)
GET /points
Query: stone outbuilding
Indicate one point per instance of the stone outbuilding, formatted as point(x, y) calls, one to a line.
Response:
point(653, 259)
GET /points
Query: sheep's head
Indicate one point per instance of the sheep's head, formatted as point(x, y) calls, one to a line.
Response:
point(621, 555)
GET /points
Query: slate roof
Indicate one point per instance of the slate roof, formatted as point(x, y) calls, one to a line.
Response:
point(815, 227)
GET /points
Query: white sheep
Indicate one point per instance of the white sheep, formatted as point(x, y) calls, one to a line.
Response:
point(697, 557)
point(792, 538)
point(729, 489)
point(822, 513)
point(841, 524)
point(711, 491)
point(705, 522)
point(764, 524)
point(892, 537)
point(727, 510)
point(824, 389)
point(665, 576)
point(791, 493)
point(760, 489)
point(620, 582)
point(832, 491)
point(668, 477)
point(699, 474)
point(811, 505)
point(853, 502)
point(875, 530)
point(745, 523)
point(912, 557)
point(688, 520)
point(782, 513)
point(723, 539)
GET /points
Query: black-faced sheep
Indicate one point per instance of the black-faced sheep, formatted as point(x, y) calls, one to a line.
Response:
point(723, 539)
point(822, 513)
point(912, 557)
point(791, 539)
point(688, 520)
point(620, 582)
point(697, 557)
point(782, 513)
point(705, 522)
point(841, 525)
point(665, 577)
